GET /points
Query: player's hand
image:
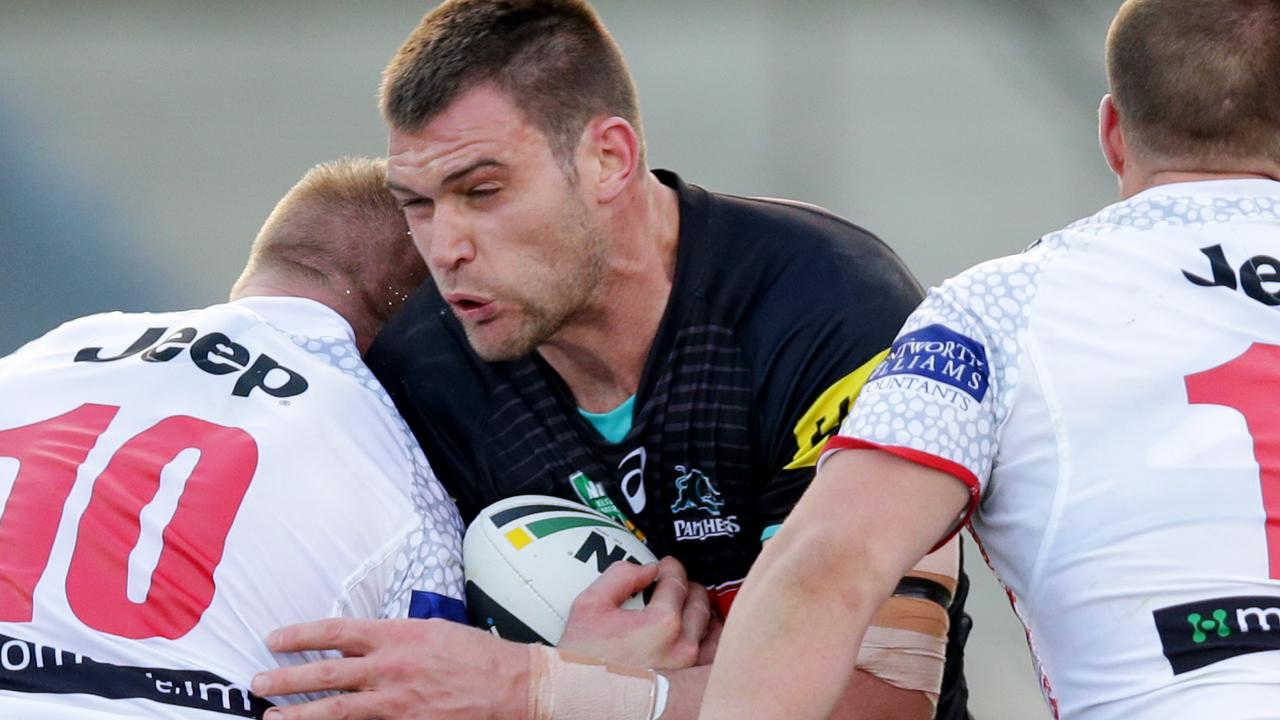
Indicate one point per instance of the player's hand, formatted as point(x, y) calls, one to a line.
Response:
point(711, 641)
point(400, 670)
point(666, 634)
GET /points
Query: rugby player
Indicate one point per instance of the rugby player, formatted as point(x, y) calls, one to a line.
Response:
point(1103, 407)
point(174, 485)
point(671, 356)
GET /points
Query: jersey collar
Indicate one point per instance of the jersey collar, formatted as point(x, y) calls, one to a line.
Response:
point(1231, 187)
point(298, 316)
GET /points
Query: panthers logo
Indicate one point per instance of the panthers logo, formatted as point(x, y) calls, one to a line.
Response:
point(694, 491)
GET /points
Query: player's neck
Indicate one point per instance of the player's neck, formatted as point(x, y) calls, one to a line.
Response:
point(1137, 183)
point(601, 355)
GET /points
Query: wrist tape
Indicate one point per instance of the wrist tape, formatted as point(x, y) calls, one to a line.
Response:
point(564, 686)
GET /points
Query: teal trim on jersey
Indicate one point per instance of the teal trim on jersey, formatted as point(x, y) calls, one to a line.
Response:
point(769, 532)
point(615, 424)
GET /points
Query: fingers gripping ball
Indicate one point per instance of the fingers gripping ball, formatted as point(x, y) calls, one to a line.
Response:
point(528, 557)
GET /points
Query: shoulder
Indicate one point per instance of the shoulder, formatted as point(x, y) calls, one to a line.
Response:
point(1000, 293)
point(98, 328)
point(802, 235)
point(996, 295)
point(797, 259)
point(344, 398)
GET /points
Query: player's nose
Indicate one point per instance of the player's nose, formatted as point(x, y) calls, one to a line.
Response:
point(452, 241)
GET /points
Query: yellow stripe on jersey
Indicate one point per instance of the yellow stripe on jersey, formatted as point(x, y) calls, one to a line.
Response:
point(825, 415)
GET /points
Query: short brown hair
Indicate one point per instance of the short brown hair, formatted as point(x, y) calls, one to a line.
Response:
point(1198, 80)
point(554, 58)
point(340, 227)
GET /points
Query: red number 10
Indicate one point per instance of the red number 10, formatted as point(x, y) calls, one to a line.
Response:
point(49, 454)
point(1251, 384)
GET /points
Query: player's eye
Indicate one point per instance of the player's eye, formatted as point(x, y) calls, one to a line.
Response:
point(481, 192)
point(418, 205)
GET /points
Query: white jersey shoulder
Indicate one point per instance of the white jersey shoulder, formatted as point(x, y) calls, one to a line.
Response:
point(1108, 395)
point(177, 485)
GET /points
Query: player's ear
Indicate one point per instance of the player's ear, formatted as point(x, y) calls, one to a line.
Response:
point(1111, 136)
point(616, 154)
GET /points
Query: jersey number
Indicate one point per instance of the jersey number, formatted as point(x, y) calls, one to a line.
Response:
point(1251, 385)
point(49, 455)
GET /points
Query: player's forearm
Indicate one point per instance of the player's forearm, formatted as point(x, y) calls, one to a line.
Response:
point(806, 628)
point(865, 698)
point(687, 688)
point(796, 627)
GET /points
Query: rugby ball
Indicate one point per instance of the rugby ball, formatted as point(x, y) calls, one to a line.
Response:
point(527, 557)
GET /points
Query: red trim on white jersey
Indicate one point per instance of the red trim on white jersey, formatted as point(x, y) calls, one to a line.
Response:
point(1046, 687)
point(919, 457)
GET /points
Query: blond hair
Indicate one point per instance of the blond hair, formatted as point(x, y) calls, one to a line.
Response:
point(340, 228)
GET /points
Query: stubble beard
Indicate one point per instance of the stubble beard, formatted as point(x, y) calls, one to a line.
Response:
point(560, 297)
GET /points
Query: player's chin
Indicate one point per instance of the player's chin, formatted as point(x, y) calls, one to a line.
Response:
point(501, 339)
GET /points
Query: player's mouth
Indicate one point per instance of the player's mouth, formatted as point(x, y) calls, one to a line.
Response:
point(471, 308)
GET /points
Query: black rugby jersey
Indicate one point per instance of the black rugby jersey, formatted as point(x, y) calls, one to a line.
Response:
point(778, 312)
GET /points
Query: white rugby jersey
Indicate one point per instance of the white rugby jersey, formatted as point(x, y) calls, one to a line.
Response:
point(176, 486)
point(1112, 398)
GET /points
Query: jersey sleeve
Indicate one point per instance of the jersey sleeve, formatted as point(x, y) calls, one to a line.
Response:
point(828, 330)
point(420, 573)
point(427, 580)
point(941, 395)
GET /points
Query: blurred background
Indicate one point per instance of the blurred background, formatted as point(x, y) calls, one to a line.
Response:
point(143, 143)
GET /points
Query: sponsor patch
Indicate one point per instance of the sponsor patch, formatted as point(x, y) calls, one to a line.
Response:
point(215, 354)
point(633, 479)
point(1198, 634)
point(593, 493)
point(942, 355)
point(29, 667)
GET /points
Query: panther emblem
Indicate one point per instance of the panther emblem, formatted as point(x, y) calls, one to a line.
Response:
point(694, 491)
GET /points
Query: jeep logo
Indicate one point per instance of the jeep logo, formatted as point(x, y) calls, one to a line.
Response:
point(1254, 273)
point(213, 353)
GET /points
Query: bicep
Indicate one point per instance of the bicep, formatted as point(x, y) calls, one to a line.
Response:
point(885, 512)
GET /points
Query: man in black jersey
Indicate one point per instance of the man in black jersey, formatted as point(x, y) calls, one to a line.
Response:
point(604, 333)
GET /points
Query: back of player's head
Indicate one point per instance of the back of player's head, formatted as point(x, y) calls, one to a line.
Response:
point(553, 58)
point(1198, 81)
point(340, 229)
